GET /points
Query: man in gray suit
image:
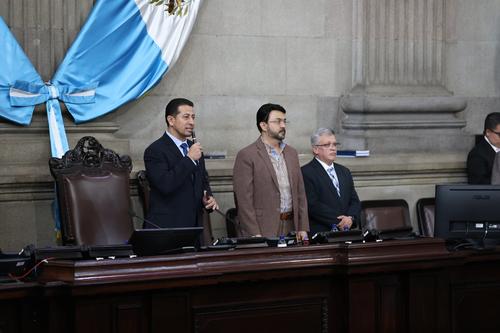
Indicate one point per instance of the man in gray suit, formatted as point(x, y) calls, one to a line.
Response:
point(268, 185)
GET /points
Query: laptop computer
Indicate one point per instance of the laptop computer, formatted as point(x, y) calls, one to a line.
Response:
point(165, 240)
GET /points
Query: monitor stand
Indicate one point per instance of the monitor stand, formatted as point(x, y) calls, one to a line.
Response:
point(487, 244)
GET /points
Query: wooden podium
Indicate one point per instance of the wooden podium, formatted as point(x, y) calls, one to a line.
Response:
point(391, 286)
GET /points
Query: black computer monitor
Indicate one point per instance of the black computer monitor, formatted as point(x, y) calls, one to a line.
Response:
point(467, 212)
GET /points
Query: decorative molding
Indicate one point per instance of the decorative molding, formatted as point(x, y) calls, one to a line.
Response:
point(39, 124)
point(71, 128)
point(89, 153)
point(370, 112)
point(402, 124)
point(402, 104)
point(398, 72)
point(324, 315)
point(399, 42)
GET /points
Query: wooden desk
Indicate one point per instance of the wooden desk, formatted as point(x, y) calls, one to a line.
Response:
point(397, 286)
point(18, 305)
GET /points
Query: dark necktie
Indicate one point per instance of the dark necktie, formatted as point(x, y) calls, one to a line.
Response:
point(184, 147)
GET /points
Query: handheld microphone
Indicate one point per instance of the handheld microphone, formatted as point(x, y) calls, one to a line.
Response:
point(194, 140)
point(133, 214)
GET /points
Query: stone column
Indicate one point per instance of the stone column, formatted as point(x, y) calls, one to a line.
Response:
point(399, 101)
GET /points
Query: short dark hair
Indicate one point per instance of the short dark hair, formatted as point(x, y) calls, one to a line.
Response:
point(491, 121)
point(172, 108)
point(265, 110)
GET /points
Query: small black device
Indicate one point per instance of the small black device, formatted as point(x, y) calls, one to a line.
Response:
point(72, 252)
point(352, 235)
point(12, 263)
point(164, 240)
point(106, 251)
point(242, 242)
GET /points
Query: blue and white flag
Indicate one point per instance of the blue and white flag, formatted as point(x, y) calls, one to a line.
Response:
point(14, 65)
point(122, 51)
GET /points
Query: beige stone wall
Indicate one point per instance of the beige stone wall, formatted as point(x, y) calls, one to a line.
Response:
point(410, 80)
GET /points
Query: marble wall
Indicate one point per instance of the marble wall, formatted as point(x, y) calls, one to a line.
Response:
point(409, 80)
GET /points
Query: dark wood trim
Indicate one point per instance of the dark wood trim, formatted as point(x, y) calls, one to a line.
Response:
point(393, 286)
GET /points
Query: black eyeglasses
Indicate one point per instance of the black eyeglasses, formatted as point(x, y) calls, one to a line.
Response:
point(279, 121)
point(329, 145)
point(497, 133)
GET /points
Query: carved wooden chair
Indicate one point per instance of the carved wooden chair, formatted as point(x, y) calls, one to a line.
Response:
point(93, 194)
point(143, 190)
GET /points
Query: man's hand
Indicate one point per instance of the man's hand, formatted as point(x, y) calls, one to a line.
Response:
point(302, 236)
point(209, 201)
point(195, 151)
point(344, 222)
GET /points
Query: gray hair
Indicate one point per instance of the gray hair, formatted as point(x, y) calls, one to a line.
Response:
point(320, 132)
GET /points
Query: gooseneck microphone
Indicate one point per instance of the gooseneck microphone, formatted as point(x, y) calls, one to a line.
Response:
point(133, 214)
point(230, 219)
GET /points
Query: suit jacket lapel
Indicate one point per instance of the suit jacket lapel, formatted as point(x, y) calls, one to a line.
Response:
point(171, 146)
point(325, 177)
point(262, 151)
point(289, 167)
point(176, 153)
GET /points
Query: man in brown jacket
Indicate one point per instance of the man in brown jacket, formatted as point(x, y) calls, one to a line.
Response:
point(268, 185)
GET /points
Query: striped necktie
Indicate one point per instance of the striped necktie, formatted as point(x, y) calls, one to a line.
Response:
point(331, 173)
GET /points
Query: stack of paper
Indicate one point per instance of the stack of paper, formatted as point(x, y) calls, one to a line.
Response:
point(353, 153)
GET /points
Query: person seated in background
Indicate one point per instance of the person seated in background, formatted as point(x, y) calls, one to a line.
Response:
point(481, 157)
point(495, 171)
point(332, 201)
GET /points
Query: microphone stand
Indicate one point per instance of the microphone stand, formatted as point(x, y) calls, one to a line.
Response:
point(230, 219)
point(133, 214)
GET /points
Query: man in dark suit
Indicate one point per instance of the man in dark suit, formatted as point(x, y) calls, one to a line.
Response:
point(268, 186)
point(176, 172)
point(481, 157)
point(332, 200)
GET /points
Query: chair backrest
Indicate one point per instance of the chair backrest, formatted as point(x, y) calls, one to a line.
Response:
point(425, 216)
point(144, 194)
point(385, 215)
point(144, 190)
point(93, 194)
point(231, 221)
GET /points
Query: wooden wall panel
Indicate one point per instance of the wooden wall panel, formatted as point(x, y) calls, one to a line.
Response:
point(170, 310)
point(383, 295)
